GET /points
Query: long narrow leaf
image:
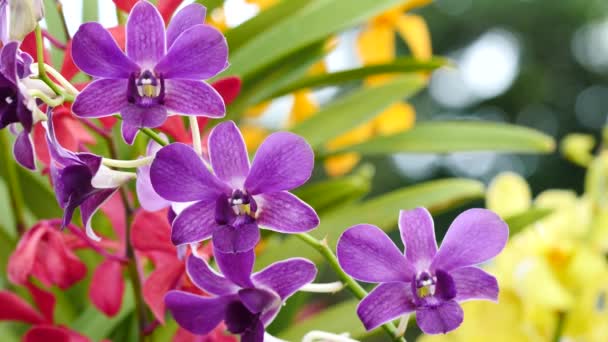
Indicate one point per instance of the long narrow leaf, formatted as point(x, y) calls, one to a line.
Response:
point(458, 136)
point(315, 21)
point(356, 108)
point(269, 18)
point(401, 65)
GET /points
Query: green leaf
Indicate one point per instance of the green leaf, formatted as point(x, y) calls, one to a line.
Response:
point(520, 221)
point(327, 194)
point(338, 319)
point(457, 136)
point(210, 4)
point(382, 211)
point(400, 65)
point(260, 86)
point(313, 22)
point(39, 197)
point(96, 325)
point(265, 20)
point(55, 27)
point(356, 108)
point(90, 11)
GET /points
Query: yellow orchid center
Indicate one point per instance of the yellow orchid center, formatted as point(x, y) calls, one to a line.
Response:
point(425, 285)
point(559, 256)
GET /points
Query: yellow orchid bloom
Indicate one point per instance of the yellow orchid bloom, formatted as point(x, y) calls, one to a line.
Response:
point(550, 267)
point(376, 44)
point(508, 195)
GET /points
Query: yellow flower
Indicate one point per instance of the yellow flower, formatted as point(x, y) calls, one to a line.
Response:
point(376, 44)
point(262, 4)
point(508, 195)
point(550, 267)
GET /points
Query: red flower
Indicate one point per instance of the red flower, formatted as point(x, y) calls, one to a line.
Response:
point(13, 308)
point(165, 7)
point(43, 253)
point(70, 132)
point(151, 237)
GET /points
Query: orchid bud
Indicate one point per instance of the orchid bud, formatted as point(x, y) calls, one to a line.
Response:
point(23, 16)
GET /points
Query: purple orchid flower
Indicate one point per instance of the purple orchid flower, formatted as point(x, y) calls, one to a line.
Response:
point(425, 280)
point(161, 70)
point(80, 180)
point(148, 198)
point(229, 205)
point(246, 303)
point(15, 103)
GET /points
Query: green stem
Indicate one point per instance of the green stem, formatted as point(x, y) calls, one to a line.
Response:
point(351, 284)
point(559, 327)
point(132, 269)
point(154, 136)
point(12, 180)
point(41, 67)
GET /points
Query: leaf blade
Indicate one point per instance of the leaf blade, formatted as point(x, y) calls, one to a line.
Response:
point(457, 136)
point(350, 111)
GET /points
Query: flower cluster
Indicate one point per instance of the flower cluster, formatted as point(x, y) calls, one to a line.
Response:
point(203, 201)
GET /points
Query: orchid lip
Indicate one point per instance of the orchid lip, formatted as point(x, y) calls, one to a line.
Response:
point(425, 284)
point(146, 89)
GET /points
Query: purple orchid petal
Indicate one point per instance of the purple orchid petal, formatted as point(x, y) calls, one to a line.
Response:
point(59, 155)
point(187, 17)
point(207, 279)
point(258, 300)
point(23, 151)
point(199, 53)
point(475, 236)
point(439, 319)
point(418, 236)
point(24, 114)
point(179, 175)
point(474, 283)
point(283, 162)
point(197, 314)
point(148, 198)
point(285, 213)
point(145, 35)
point(138, 116)
point(228, 154)
point(128, 132)
point(101, 98)
point(8, 62)
point(286, 277)
point(90, 206)
point(196, 223)
point(95, 52)
point(236, 238)
point(194, 98)
point(366, 253)
point(239, 319)
point(254, 334)
point(71, 183)
point(236, 267)
point(385, 303)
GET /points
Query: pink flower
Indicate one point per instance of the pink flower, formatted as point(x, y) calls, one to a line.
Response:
point(43, 253)
point(14, 308)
